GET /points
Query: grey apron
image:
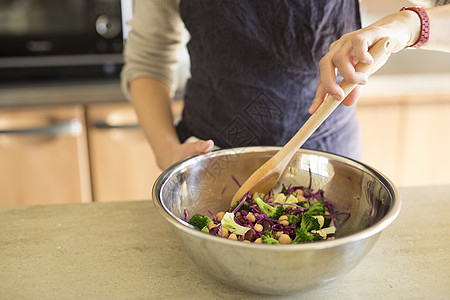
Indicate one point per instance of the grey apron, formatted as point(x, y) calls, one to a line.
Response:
point(254, 71)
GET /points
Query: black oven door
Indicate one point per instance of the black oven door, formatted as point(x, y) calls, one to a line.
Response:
point(46, 33)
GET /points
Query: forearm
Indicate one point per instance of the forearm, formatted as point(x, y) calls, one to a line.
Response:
point(151, 101)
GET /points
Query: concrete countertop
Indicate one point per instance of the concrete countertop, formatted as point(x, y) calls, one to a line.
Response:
point(61, 93)
point(127, 251)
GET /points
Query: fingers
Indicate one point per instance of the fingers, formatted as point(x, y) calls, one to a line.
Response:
point(206, 146)
point(361, 49)
point(342, 57)
point(183, 151)
point(318, 99)
point(353, 96)
point(327, 80)
point(196, 148)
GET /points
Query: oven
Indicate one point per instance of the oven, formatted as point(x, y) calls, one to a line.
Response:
point(61, 38)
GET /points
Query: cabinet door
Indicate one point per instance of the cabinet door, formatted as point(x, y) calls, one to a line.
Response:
point(123, 165)
point(426, 152)
point(381, 137)
point(43, 156)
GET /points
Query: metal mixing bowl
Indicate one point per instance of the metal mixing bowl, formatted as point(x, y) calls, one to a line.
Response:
point(205, 182)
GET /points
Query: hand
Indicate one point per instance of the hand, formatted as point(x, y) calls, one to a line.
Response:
point(183, 151)
point(352, 48)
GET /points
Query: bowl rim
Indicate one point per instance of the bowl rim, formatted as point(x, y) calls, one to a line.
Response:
point(390, 216)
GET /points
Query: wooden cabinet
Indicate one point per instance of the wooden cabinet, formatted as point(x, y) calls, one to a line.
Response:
point(122, 163)
point(426, 144)
point(43, 156)
point(75, 153)
point(407, 137)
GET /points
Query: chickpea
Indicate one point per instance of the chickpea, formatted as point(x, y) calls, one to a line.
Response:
point(283, 220)
point(279, 233)
point(238, 214)
point(284, 239)
point(299, 192)
point(223, 232)
point(212, 225)
point(301, 198)
point(283, 217)
point(258, 241)
point(219, 216)
point(251, 217)
point(232, 237)
point(258, 227)
point(246, 241)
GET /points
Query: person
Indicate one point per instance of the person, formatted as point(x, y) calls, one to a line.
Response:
point(258, 69)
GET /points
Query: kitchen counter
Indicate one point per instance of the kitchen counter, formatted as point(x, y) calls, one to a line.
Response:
point(126, 250)
point(61, 93)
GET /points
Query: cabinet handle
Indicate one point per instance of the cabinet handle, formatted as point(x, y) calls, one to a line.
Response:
point(105, 126)
point(72, 127)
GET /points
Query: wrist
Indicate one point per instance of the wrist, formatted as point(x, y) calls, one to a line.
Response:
point(166, 156)
point(419, 25)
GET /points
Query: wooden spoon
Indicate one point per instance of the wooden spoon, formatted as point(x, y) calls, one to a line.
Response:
point(266, 176)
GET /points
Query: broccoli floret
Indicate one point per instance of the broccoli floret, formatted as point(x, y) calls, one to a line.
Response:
point(244, 206)
point(279, 211)
point(292, 218)
point(317, 209)
point(200, 222)
point(309, 223)
point(303, 236)
point(272, 212)
point(230, 224)
point(267, 238)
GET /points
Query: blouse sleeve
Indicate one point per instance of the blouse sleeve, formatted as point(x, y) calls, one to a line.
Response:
point(154, 42)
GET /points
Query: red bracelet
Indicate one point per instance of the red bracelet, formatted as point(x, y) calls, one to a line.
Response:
point(424, 25)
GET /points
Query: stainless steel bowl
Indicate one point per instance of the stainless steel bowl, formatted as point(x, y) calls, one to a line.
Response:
point(206, 182)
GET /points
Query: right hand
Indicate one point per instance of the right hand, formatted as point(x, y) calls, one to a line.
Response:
point(402, 28)
point(183, 151)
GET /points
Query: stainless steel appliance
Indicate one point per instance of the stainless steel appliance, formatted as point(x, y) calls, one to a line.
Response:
point(60, 38)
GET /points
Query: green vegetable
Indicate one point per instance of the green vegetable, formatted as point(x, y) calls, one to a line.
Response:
point(303, 236)
point(317, 209)
point(292, 218)
point(267, 238)
point(309, 223)
point(200, 222)
point(230, 224)
point(272, 212)
point(244, 206)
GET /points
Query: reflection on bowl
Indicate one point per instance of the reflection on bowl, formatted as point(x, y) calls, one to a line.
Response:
point(205, 182)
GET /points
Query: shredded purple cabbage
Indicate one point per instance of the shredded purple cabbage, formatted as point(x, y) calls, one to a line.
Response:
point(272, 223)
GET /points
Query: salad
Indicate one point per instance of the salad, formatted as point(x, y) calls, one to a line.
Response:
point(294, 215)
